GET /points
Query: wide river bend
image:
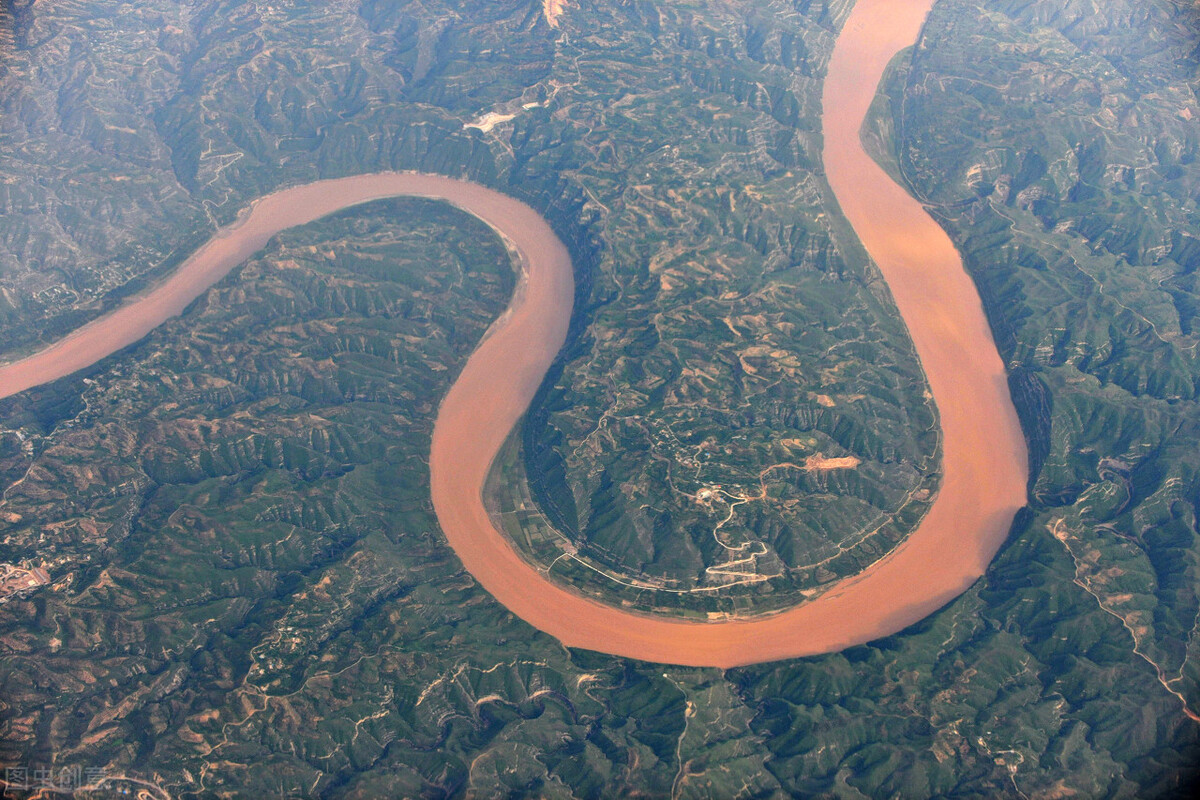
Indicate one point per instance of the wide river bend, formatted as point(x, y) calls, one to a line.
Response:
point(984, 459)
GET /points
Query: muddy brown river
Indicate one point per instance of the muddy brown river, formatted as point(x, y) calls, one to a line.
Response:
point(984, 458)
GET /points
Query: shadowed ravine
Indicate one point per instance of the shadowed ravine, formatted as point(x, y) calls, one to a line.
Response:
point(984, 457)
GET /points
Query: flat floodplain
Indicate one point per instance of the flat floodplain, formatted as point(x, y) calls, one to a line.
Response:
point(984, 457)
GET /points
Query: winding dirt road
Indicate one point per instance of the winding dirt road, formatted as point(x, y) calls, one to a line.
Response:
point(984, 457)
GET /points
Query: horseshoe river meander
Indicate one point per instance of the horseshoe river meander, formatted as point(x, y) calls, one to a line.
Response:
point(984, 459)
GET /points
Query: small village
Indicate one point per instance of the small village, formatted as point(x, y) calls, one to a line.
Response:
point(15, 580)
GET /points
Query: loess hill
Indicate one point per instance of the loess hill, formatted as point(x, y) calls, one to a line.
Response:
point(250, 593)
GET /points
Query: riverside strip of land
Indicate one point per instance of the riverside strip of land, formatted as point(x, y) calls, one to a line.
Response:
point(984, 461)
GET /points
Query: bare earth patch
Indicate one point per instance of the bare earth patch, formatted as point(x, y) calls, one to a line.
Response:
point(552, 10)
point(820, 462)
point(489, 121)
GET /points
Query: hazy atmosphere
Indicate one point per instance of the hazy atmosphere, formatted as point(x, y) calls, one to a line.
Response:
point(600, 398)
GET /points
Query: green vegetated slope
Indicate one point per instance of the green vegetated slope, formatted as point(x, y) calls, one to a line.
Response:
point(251, 594)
